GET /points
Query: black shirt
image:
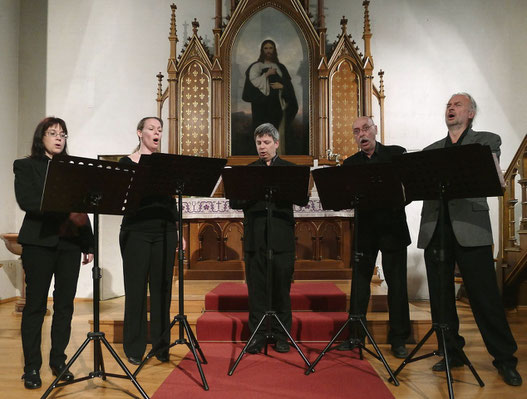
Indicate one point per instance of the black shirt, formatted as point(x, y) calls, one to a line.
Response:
point(448, 142)
point(156, 213)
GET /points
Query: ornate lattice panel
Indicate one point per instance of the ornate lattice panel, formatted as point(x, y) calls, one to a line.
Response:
point(344, 109)
point(195, 112)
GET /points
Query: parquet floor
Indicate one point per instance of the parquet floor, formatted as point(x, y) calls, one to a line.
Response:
point(417, 380)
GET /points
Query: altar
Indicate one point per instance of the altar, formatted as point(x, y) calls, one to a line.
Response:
point(214, 235)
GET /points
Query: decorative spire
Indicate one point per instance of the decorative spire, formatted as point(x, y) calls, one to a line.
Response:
point(173, 34)
point(159, 86)
point(343, 24)
point(381, 82)
point(367, 29)
point(195, 26)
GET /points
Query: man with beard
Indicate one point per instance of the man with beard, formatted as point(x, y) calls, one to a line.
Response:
point(382, 230)
point(269, 89)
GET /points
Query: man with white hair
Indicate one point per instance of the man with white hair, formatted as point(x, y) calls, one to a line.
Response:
point(383, 230)
point(467, 243)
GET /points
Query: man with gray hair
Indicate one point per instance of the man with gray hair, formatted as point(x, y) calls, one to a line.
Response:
point(282, 244)
point(385, 231)
point(467, 243)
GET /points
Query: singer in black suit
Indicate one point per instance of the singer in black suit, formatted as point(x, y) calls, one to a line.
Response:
point(255, 246)
point(52, 244)
point(382, 230)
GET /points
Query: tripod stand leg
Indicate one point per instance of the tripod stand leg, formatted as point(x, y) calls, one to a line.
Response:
point(379, 353)
point(244, 350)
point(194, 342)
point(447, 365)
point(190, 344)
point(98, 361)
point(472, 369)
point(292, 341)
point(414, 351)
point(123, 367)
point(68, 365)
point(154, 349)
point(321, 355)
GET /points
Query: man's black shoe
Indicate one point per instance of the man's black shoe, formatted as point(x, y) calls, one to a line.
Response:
point(32, 379)
point(281, 346)
point(256, 345)
point(345, 346)
point(453, 362)
point(510, 375)
point(399, 351)
point(163, 357)
point(135, 360)
point(350, 344)
point(56, 370)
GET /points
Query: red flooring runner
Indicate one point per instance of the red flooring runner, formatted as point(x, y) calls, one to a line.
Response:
point(338, 375)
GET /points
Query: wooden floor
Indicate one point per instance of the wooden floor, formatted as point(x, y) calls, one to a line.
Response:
point(417, 380)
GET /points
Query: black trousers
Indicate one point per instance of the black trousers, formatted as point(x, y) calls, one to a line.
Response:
point(476, 265)
point(394, 268)
point(40, 265)
point(148, 260)
point(282, 274)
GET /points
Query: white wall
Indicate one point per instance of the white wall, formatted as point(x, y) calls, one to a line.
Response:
point(9, 30)
point(102, 58)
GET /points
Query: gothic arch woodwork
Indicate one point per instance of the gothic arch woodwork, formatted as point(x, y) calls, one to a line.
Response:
point(233, 241)
point(306, 240)
point(209, 242)
point(330, 237)
point(204, 126)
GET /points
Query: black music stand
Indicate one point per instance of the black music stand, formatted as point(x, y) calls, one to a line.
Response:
point(269, 184)
point(180, 175)
point(465, 171)
point(75, 184)
point(361, 187)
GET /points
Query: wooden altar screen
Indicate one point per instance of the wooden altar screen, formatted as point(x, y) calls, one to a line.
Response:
point(201, 101)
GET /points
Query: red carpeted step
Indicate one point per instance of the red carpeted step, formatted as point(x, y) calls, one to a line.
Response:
point(321, 297)
point(232, 326)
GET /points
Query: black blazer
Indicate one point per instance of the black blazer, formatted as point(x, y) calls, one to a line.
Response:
point(254, 222)
point(387, 225)
point(42, 228)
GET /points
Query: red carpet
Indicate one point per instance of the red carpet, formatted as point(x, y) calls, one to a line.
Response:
point(338, 375)
point(319, 310)
point(233, 326)
point(318, 297)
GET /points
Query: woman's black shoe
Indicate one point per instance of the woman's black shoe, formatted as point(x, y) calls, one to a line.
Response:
point(32, 379)
point(67, 376)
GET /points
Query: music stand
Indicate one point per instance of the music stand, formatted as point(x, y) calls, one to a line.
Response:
point(269, 184)
point(465, 171)
point(75, 184)
point(180, 175)
point(361, 187)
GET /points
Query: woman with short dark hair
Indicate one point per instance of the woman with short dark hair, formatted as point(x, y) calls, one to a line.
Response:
point(52, 244)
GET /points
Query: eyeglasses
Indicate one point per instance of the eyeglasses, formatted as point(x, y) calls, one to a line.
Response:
point(362, 129)
point(54, 133)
